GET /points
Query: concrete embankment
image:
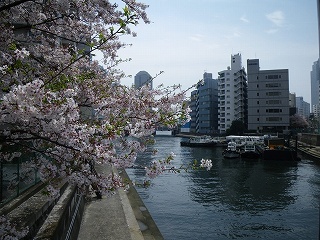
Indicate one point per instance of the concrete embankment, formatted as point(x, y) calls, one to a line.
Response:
point(309, 150)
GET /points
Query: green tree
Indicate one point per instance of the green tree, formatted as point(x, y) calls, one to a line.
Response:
point(237, 128)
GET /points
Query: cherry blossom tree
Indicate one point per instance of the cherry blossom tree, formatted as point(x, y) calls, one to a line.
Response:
point(298, 122)
point(63, 107)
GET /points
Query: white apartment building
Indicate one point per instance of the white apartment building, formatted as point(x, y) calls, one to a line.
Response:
point(303, 108)
point(268, 98)
point(232, 92)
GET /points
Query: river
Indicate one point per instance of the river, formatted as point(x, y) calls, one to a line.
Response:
point(234, 200)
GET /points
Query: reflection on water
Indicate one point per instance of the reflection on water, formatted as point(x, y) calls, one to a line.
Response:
point(235, 199)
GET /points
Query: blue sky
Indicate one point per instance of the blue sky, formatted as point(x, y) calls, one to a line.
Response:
point(188, 37)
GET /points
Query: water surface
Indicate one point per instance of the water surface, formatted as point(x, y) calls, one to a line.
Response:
point(234, 200)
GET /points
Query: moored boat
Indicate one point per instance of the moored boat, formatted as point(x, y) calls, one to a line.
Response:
point(231, 151)
point(277, 151)
point(199, 141)
point(250, 152)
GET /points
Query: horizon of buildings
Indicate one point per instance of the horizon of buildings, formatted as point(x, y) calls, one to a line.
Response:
point(260, 99)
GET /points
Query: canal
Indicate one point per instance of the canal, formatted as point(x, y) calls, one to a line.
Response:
point(234, 200)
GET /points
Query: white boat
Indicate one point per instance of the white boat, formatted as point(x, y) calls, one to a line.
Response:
point(199, 141)
point(231, 151)
point(163, 133)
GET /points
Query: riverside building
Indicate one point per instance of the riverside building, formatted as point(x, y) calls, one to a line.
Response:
point(268, 98)
point(232, 91)
point(204, 106)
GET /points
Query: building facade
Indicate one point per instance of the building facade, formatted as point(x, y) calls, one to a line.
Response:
point(315, 81)
point(316, 111)
point(303, 108)
point(204, 106)
point(232, 94)
point(268, 98)
point(142, 78)
point(292, 104)
point(315, 72)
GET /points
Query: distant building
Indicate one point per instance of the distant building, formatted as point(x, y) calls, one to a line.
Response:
point(204, 106)
point(315, 81)
point(292, 104)
point(185, 128)
point(142, 78)
point(268, 98)
point(232, 94)
point(303, 108)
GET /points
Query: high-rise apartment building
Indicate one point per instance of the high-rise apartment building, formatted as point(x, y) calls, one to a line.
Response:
point(142, 78)
point(268, 98)
point(204, 106)
point(232, 94)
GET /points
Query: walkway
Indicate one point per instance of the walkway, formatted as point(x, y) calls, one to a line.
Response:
point(121, 216)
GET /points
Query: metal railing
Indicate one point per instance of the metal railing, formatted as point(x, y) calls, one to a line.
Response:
point(15, 178)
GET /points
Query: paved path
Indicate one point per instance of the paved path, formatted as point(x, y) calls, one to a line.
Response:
point(113, 218)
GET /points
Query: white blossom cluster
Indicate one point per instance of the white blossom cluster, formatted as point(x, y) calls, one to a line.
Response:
point(206, 163)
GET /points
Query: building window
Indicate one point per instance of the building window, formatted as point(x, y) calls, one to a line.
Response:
point(272, 85)
point(274, 119)
point(276, 110)
point(272, 94)
point(257, 85)
point(273, 76)
point(258, 119)
point(258, 111)
point(273, 102)
point(257, 102)
point(257, 94)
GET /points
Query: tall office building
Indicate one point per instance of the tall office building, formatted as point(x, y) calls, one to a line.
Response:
point(204, 106)
point(318, 8)
point(232, 94)
point(315, 72)
point(268, 98)
point(142, 78)
point(315, 81)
